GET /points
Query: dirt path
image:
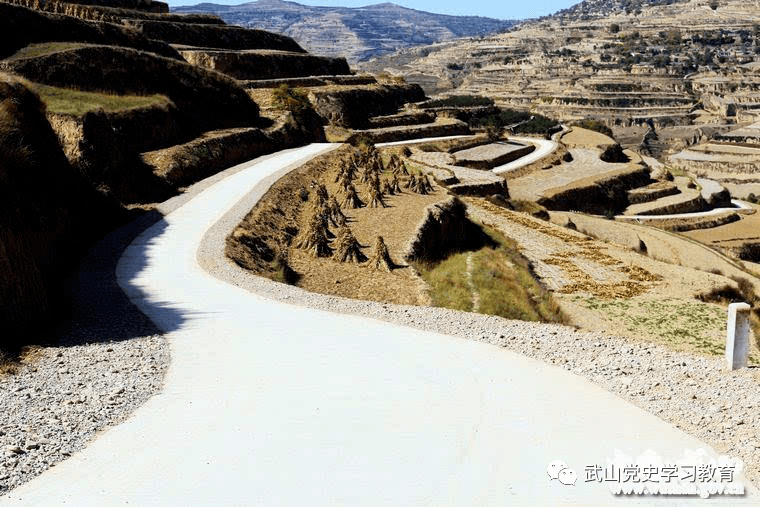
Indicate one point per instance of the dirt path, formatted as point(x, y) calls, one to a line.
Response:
point(471, 285)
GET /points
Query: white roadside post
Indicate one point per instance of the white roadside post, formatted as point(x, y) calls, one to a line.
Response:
point(737, 336)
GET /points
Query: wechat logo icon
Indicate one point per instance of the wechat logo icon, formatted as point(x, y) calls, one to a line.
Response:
point(559, 470)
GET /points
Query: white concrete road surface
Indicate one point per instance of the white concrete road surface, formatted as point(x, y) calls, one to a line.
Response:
point(543, 149)
point(268, 404)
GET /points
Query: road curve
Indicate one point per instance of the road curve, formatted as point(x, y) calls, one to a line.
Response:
point(543, 149)
point(271, 404)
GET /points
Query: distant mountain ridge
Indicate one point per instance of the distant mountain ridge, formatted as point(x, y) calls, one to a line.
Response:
point(358, 33)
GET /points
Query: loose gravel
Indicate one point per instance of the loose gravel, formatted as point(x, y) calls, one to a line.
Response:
point(106, 361)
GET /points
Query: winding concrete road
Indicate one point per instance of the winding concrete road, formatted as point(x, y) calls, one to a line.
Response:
point(276, 405)
point(543, 149)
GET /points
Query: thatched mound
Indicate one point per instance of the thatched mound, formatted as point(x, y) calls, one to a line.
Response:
point(347, 248)
point(395, 185)
point(321, 194)
point(336, 214)
point(387, 188)
point(376, 198)
point(313, 238)
point(351, 200)
point(380, 259)
point(411, 182)
point(401, 169)
point(394, 163)
point(428, 185)
point(419, 185)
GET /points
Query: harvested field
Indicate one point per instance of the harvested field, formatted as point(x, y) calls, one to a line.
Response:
point(277, 219)
point(491, 155)
point(584, 171)
point(687, 201)
point(578, 137)
point(606, 287)
point(734, 234)
point(652, 192)
point(690, 224)
point(670, 248)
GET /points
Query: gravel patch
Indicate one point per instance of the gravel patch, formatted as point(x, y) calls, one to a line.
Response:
point(695, 394)
point(106, 361)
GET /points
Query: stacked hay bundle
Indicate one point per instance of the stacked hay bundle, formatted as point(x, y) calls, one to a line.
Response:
point(351, 199)
point(380, 259)
point(347, 248)
point(336, 214)
point(375, 199)
point(315, 237)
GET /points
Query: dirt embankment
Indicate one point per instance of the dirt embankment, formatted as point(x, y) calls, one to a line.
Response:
point(48, 215)
point(597, 195)
point(444, 229)
point(104, 148)
point(353, 107)
point(213, 36)
point(255, 65)
point(205, 99)
point(186, 163)
point(21, 26)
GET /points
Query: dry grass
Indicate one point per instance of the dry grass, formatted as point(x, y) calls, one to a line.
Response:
point(75, 102)
point(45, 48)
point(500, 275)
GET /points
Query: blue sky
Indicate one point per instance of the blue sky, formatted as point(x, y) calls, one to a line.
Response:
point(509, 9)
